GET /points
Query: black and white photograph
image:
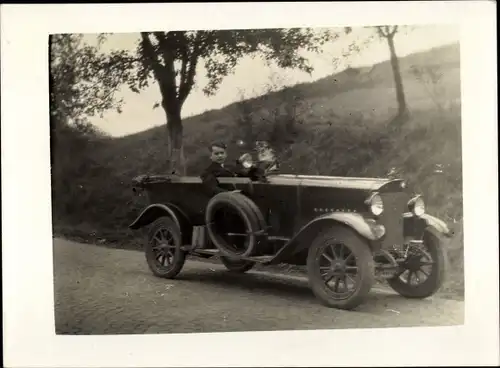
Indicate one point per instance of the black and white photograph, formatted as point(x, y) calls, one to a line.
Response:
point(324, 156)
point(204, 180)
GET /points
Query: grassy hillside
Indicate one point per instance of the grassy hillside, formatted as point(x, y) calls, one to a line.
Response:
point(352, 100)
point(339, 128)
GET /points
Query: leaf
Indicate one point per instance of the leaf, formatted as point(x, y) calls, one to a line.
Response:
point(84, 81)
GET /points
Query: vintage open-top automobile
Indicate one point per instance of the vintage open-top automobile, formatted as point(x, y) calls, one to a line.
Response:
point(345, 230)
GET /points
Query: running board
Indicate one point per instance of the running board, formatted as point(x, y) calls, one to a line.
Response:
point(216, 252)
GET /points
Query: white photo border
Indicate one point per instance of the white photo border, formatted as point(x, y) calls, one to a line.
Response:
point(28, 303)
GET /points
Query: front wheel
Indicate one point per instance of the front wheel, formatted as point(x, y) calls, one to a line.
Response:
point(340, 268)
point(239, 266)
point(163, 250)
point(422, 272)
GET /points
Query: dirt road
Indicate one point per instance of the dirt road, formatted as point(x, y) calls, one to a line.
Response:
point(108, 291)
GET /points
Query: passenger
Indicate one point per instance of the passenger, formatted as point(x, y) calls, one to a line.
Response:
point(266, 157)
point(218, 168)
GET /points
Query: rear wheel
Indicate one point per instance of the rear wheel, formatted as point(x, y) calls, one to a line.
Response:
point(236, 265)
point(422, 272)
point(340, 268)
point(163, 250)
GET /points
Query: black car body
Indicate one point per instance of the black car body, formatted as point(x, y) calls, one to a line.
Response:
point(345, 230)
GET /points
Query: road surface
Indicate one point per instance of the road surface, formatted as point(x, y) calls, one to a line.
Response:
point(108, 291)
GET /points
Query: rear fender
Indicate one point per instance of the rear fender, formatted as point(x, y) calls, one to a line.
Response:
point(415, 226)
point(367, 229)
point(156, 210)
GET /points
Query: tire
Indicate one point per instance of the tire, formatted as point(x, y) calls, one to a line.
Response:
point(247, 211)
point(260, 218)
point(355, 250)
point(255, 209)
point(436, 276)
point(238, 266)
point(154, 255)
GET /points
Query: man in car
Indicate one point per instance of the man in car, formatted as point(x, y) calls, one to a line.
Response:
point(219, 168)
point(266, 157)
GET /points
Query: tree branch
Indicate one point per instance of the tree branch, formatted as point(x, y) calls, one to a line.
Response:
point(184, 56)
point(393, 32)
point(183, 72)
point(381, 31)
point(150, 55)
point(168, 85)
point(188, 77)
point(386, 32)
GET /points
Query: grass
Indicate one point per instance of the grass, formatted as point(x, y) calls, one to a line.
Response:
point(340, 128)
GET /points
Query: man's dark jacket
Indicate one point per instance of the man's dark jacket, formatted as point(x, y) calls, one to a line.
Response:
point(215, 170)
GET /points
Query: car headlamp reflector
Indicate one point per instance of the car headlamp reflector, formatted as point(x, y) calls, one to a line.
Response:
point(416, 205)
point(375, 203)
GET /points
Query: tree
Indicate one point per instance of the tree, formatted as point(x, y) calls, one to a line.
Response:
point(388, 33)
point(430, 77)
point(82, 81)
point(172, 59)
point(81, 85)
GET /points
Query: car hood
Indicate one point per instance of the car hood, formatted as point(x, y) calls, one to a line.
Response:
point(341, 182)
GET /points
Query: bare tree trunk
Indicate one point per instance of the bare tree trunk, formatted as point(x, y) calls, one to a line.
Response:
point(400, 95)
point(175, 142)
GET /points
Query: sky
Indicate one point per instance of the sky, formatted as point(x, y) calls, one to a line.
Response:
point(251, 75)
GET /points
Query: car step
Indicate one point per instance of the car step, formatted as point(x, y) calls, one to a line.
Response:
point(210, 252)
point(259, 259)
point(216, 252)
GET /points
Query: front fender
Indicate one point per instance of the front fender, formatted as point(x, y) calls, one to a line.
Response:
point(415, 226)
point(151, 213)
point(366, 228)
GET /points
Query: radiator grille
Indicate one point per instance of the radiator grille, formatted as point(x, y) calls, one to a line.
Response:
point(392, 218)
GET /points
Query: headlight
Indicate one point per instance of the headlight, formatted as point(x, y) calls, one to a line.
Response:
point(375, 203)
point(416, 205)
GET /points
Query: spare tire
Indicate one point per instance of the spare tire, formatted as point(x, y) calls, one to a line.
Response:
point(237, 213)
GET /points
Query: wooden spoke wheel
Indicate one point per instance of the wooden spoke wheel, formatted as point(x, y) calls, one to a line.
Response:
point(163, 250)
point(340, 268)
point(422, 272)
